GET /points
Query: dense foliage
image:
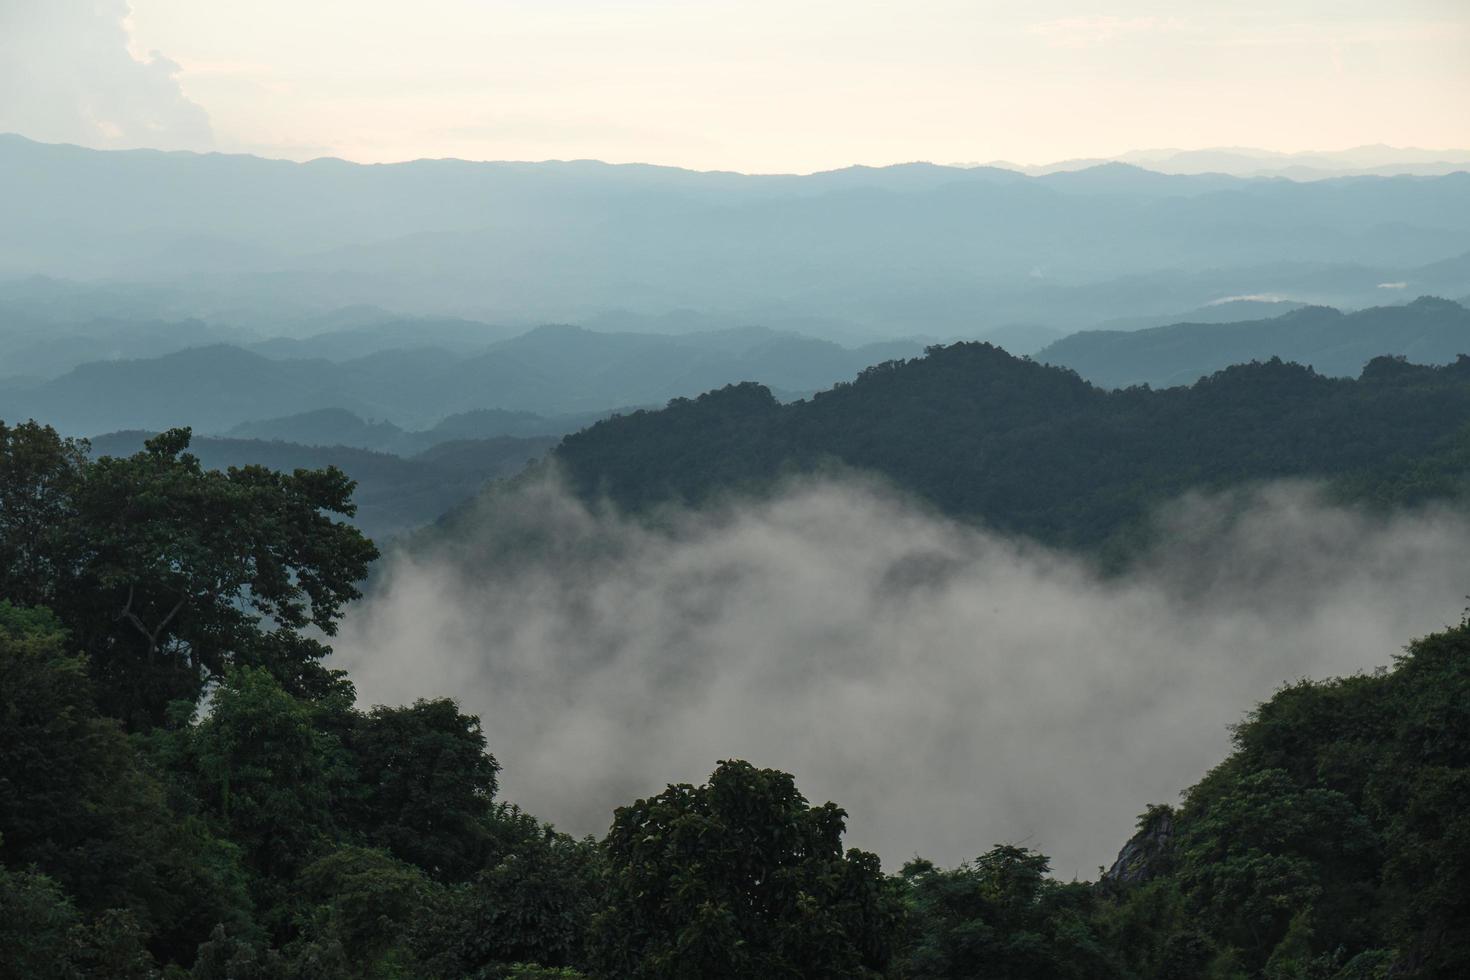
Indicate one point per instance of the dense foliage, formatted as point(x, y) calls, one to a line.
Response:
point(195, 795)
point(1333, 843)
point(740, 878)
point(165, 573)
point(1036, 450)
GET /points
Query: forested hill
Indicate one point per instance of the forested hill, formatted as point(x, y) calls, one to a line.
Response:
point(1035, 449)
point(188, 791)
point(1426, 331)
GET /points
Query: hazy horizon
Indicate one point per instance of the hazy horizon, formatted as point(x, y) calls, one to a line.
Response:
point(1143, 158)
point(754, 88)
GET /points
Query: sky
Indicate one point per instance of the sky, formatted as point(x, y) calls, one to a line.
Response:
point(752, 85)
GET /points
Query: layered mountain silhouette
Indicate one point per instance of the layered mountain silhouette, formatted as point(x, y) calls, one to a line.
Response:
point(938, 250)
point(1426, 331)
point(1035, 449)
point(549, 371)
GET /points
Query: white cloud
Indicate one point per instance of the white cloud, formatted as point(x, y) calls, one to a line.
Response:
point(68, 75)
point(952, 689)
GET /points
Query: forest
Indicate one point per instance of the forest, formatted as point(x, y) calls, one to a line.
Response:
point(1032, 449)
point(188, 790)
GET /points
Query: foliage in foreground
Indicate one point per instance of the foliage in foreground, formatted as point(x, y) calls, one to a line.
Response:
point(205, 800)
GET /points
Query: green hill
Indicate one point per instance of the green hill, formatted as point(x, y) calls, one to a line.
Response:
point(1036, 450)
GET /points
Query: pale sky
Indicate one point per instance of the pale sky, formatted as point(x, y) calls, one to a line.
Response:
point(754, 85)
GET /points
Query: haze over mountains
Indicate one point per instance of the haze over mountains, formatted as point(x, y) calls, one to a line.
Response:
point(941, 251)
point(1242, 161)
point(379, 313)
point(549, 371)
point(1426, 331)
point(395, 493)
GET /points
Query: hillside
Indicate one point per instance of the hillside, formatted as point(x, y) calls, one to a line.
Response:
point(1334, 835)
point(1426, 331)
point(1037, 450)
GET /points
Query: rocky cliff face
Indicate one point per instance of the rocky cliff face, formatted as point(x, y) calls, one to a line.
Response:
point(1148, 853)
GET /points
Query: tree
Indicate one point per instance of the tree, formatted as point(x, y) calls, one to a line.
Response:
point(531, 903)
point(189, 570)
point(39, 475)
point(78, 803)
point(36, 925)
point(740, 878)
point(165, 573)
point(427, 785)
point(1000, 916)
point(264, 773)
point(363, 907)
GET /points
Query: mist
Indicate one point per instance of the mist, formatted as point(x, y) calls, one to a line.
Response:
point(952, 689)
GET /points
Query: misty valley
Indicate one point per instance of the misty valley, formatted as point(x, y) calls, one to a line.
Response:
point(492, 570)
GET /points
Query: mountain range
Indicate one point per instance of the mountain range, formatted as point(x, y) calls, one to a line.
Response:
point(1426, 331)
point(1035, 450)
point(938, 251)
point(1241, 161)
point(549, 371)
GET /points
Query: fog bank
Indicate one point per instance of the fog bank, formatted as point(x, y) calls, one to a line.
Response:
point(950, 688)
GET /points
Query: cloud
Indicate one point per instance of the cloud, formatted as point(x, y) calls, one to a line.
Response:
point(951, 688)
point(68, 76)
point(1251, 298)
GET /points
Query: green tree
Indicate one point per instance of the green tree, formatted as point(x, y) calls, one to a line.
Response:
point(39, 476)
point(189, 570)
point(166, 573)
point(740, 878)
point(363, 906)
point(36, 926)
point(77, 801)
point(427, 785)
point(264, 772)
point(1001, 916)
point(532, 903)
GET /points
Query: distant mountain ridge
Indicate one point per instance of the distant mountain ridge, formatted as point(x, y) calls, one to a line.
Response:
point(394, 494)
point(1376, 160)
point(549, 371)
point(1427, 331)
point(339, 427)
point(939, 249)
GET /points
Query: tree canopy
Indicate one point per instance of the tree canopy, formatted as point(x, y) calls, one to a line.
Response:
point(740, 877)
point(1035, 450)
point(167, 573)
point(199, 797)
